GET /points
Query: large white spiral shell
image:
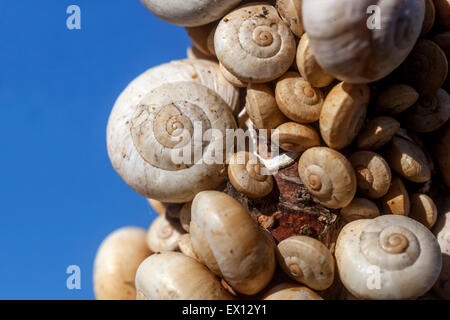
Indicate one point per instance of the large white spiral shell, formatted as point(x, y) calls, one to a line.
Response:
point(164, 110)
point(383, 258)
point(348, 43)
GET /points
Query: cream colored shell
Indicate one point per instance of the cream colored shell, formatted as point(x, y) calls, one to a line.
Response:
point(116, 262)
point(373, 174)
point(295, 137)
point(343, 114)
point(174, 276)
point(328, 175)
point(160, 108)
point(290, 291)
point(291, 12)
point(254, 44)
point(163, 234)
point(389, 257)
point(396, 98)
point(396, 201)
point(230, 243)
point(185, 245)
point(297, 99)
point(442, 232)
point(348, 45)
point(377, 132)
point(429, 113)
point(189, 12)
point(308, 67)
point(423, 209)
point(307, 261)
point(408, 160)
point(359, 208)
point(158, 206)
point(231, 78)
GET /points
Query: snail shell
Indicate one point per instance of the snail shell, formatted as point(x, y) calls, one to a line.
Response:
point(408, 160)
point(246, 176)
point(185, 216)
point(297, 99)
point(157, 116)
point(443, 41)
point(442, 232)
point(291, 13)
point(396, 98)
point(254, 44)
point(189, 13)
point(443, 12)
point(163, 235)
point(396, 200)
point(429, 113)
point(328, 175)
point(194, 53)
point(230, 243)
point(157, 206)
point(359, 208)
point(426, 68)
point(353, 51)
point(290, 291)
point(199, 37)
point(308, 67)
point(174, 276)
point(430, 17)
point(343, 114)
point(231, 78)
point(185, 245)
point(377, 132)
point(423, 209)
point(296, 137)
point(307, 261)
point(116, 262)
point(373, 174)
point(399, 251)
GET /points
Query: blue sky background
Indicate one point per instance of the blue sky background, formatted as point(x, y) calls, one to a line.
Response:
point(59, 196)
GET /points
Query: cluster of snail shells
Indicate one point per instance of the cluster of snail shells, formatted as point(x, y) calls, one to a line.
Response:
point(307, 71)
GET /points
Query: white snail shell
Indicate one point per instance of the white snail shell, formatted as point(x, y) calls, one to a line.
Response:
point(155, 118)
point(163, 234)
point(442, 232)
point(290, 291)
point(190, 13)
point(254, 44)
point(397, 253)
point(348, 49)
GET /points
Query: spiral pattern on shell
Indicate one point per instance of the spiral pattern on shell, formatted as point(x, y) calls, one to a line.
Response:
point(254, 44)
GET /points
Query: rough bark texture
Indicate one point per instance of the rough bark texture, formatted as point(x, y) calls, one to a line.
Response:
point(289, 209)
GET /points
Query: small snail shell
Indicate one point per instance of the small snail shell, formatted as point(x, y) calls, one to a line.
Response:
point(163, 235)
point(426, 68)
point(246, 176)
point(308, 67)
point(157, 116)
point(307, 261)
point(329, 177)
point(157, 206)
point(194, 53)
point(443, 12)
point(296, 137)
point(291, 13)
point(398, 251)
point(396, 98)
point(116, 262)
point(190, 13)
point(254, 44)
point(174, 276)
point(185, 245)
point(343, 114)
point(442, 153)
point(396, 201)
point(291, 291)
point(347, 47)
point(359, 208)
point(297, 99)
point(443, 41)
point(430, 17)
point(423, 209)
point(372, 174)
point(185, 216)
point(442, 232)
point(262, 107)
point(231, 78)
point(377, 132)
point(199, 37)
point(408, 160)
point(230, 243)
point(429, 113)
